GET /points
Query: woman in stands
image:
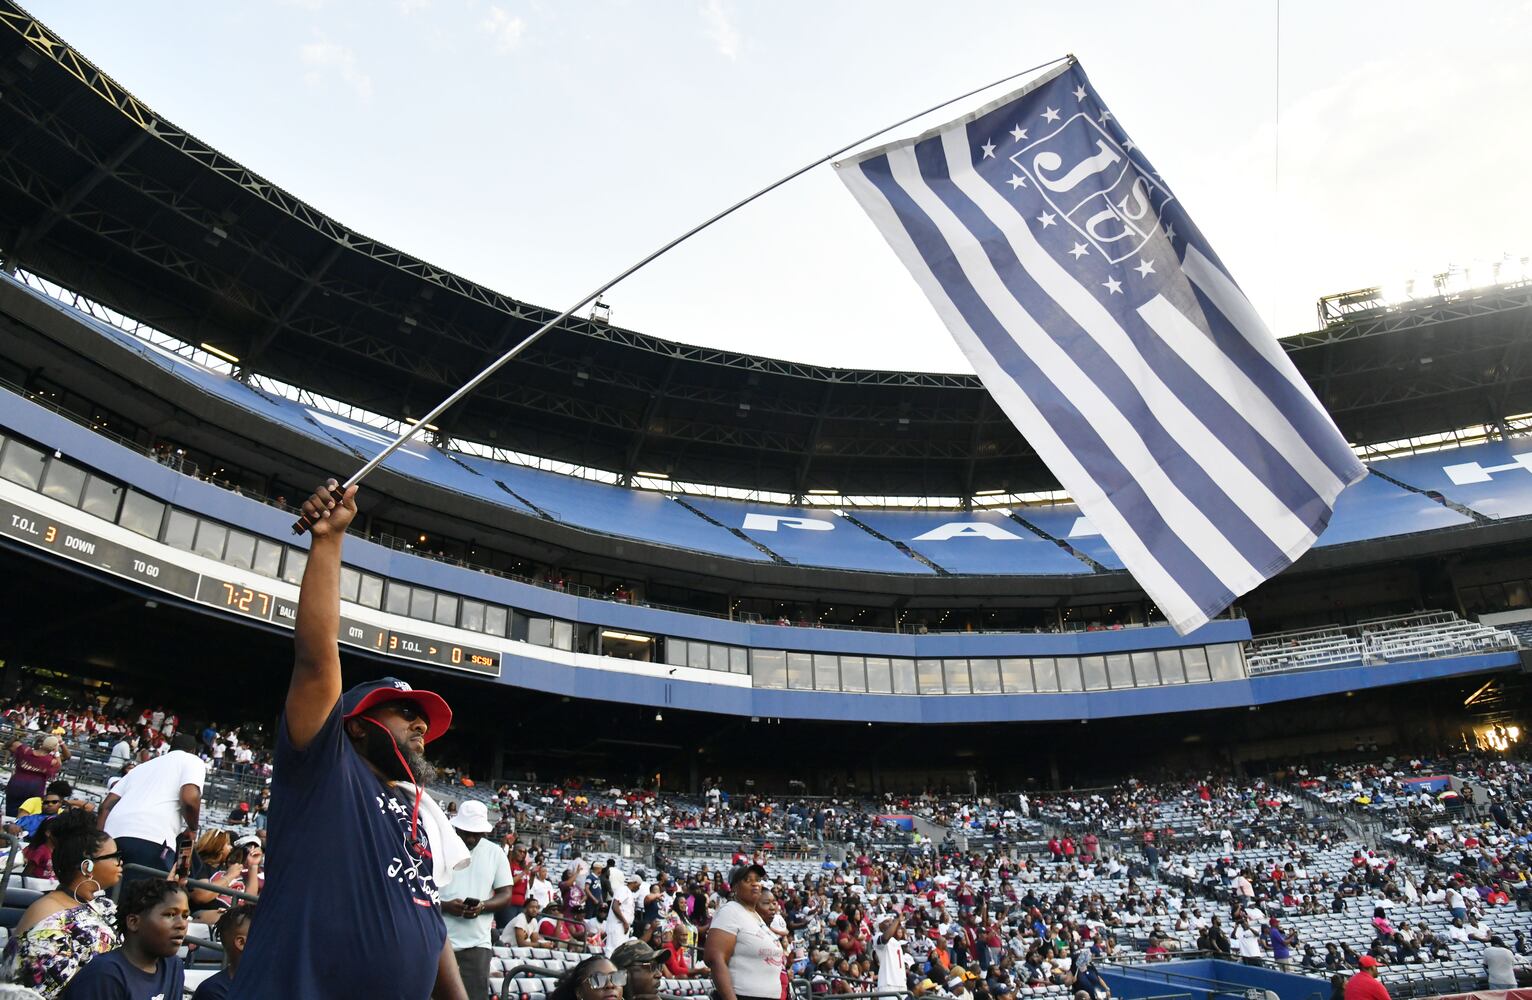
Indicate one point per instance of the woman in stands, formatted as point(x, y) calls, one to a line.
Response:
point(596, 978)
point(741, 950)
point(211, 861)
point(152, 919)
point(66, 928)
point(242, 869)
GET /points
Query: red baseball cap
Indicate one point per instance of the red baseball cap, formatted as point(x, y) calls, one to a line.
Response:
point(1367, 962)
point(385, 689)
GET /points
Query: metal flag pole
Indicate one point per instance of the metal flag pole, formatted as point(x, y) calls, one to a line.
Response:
point(302, 524)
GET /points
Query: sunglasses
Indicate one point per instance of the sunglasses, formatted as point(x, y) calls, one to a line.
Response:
point(408, 711)
point(53, 802)
point(605, 980)
point(116, 856)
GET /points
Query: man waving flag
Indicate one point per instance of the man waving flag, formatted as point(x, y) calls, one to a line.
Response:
point(1106, 328)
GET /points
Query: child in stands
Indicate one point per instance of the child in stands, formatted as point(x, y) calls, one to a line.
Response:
point(152, 917)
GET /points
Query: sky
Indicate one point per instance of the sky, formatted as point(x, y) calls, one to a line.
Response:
point(541, 147)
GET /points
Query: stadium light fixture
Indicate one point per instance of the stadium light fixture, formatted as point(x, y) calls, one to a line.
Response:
point(990, 493)
point(217, 352)
point(823, 493)
point(625, 636)
point(652, 475)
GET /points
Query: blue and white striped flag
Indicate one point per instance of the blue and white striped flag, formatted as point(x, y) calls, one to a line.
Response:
point(1109, 332)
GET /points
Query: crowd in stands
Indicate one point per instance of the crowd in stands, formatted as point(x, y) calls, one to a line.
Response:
point(1028, 894)
point(1243, 870)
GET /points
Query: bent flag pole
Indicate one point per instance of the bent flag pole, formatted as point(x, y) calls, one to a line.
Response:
point(305, 522)
point(1105, 327)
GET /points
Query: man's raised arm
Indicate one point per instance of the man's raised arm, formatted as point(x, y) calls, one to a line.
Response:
point(315, 687)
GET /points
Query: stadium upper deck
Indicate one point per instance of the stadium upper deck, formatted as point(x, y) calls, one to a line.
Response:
point(1452, 488)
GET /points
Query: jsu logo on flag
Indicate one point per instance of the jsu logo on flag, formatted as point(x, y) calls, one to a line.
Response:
point(1092, 181)
point(1150, 387)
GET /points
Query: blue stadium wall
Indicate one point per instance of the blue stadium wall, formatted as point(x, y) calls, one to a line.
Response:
point(658, 684)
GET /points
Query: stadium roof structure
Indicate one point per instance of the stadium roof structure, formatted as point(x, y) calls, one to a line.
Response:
point(101, 195)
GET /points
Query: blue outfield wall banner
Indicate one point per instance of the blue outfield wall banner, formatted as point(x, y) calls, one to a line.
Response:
point(1207, 979)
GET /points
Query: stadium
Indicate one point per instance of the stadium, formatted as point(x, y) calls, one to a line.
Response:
point(635, 565)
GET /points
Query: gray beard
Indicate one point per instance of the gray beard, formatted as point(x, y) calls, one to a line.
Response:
point(424, 770)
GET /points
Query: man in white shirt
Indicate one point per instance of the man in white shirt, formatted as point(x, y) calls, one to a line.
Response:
point(1248, 943)
point(522, 930)
point(891, 977)
point(619, 919)
point(122, 751)
point(149, 808)
point(1499, 965)
point(474, 895)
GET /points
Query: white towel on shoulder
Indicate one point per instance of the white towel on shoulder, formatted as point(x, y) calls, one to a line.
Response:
point(448, 852)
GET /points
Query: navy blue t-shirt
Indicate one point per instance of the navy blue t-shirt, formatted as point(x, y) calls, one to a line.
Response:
point(349, 908)
point(215, 987)
point(113, 977)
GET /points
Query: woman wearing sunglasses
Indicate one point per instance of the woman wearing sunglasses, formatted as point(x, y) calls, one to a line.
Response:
point(64, 929)
point(596, 978)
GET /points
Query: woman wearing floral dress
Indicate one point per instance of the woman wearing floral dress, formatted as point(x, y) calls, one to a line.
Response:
point(64, 929)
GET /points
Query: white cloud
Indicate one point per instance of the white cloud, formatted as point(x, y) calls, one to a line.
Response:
point(720, 30)
point(324, 57)
point(408, 7)
point(505, 29)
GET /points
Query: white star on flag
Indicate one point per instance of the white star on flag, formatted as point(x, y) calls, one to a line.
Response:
point(1105, 117)
point(1047, 219)
point(1170, 231)
point(1052, 114)
point(1017, 181)
point(989, 150)
point(1113, 286)
point(1079, 93)
point(1144, 268)
point(1079, 250)
point(1018, 133)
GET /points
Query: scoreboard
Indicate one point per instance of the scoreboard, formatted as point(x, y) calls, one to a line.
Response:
point(142, 566)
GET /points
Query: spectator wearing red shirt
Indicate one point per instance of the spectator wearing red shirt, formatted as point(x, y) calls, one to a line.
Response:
point(1365, 985)
point(35, 766)
point(675, 960)
point(521, 878)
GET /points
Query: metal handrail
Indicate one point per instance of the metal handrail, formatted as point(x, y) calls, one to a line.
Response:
point(525, 967)
point(10, 860)
point(188, 883)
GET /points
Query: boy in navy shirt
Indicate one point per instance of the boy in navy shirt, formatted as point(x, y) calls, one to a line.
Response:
point(233, 930)
point(152, 918)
